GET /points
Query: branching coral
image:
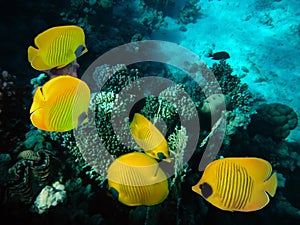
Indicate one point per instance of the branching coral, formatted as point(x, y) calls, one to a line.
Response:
point(177, 142)
point(181, 101)
point(237, 96)
point(114, 78)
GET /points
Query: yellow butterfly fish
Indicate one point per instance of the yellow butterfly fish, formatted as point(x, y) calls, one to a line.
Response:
point(136, 179)
point(237, 184)
point(57, 47)
point(61, 104)
point(149, 138)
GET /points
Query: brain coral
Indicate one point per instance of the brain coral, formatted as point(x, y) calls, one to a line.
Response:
point(274, 120)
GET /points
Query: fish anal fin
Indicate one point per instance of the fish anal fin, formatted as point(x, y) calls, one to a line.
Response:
point(258, 201)
point(37, 119)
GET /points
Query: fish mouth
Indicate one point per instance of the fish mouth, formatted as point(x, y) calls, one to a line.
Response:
point(167, 160)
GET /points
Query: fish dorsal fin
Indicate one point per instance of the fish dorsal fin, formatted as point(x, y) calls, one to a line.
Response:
point(44, 39)
point(73, 33)
point(257, 168)
point(58, 84)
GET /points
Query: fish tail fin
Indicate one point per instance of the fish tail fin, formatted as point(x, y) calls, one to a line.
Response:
point(271, 184)
point(36, 60)
point(32, 53)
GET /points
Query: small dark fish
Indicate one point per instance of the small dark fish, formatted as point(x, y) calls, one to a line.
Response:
point(220, 55)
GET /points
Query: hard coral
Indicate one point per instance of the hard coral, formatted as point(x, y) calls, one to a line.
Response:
point(273, 120)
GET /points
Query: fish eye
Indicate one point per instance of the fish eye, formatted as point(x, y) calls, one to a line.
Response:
point(161, 156)
point(206, 190)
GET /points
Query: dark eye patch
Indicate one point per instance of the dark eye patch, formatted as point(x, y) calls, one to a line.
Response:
point(206, 190)
point(161, 156)
point(79, 50)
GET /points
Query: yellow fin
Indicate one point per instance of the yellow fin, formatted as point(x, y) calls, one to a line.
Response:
point(271, 184)
point(257, 168)
point(35, 59)
point(32, 53)
point(38, 118)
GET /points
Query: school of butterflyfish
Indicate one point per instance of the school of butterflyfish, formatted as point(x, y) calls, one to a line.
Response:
point(61, 104)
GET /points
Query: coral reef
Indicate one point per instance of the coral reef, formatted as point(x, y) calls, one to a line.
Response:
point(114, 78)
point(39, 80)
point(273, 120)
point(159, 4)
point(32, 160)
point(11, 103)
point(30, 170)
point(190, 12)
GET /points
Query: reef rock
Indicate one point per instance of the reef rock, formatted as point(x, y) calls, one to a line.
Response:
point(273, 120)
